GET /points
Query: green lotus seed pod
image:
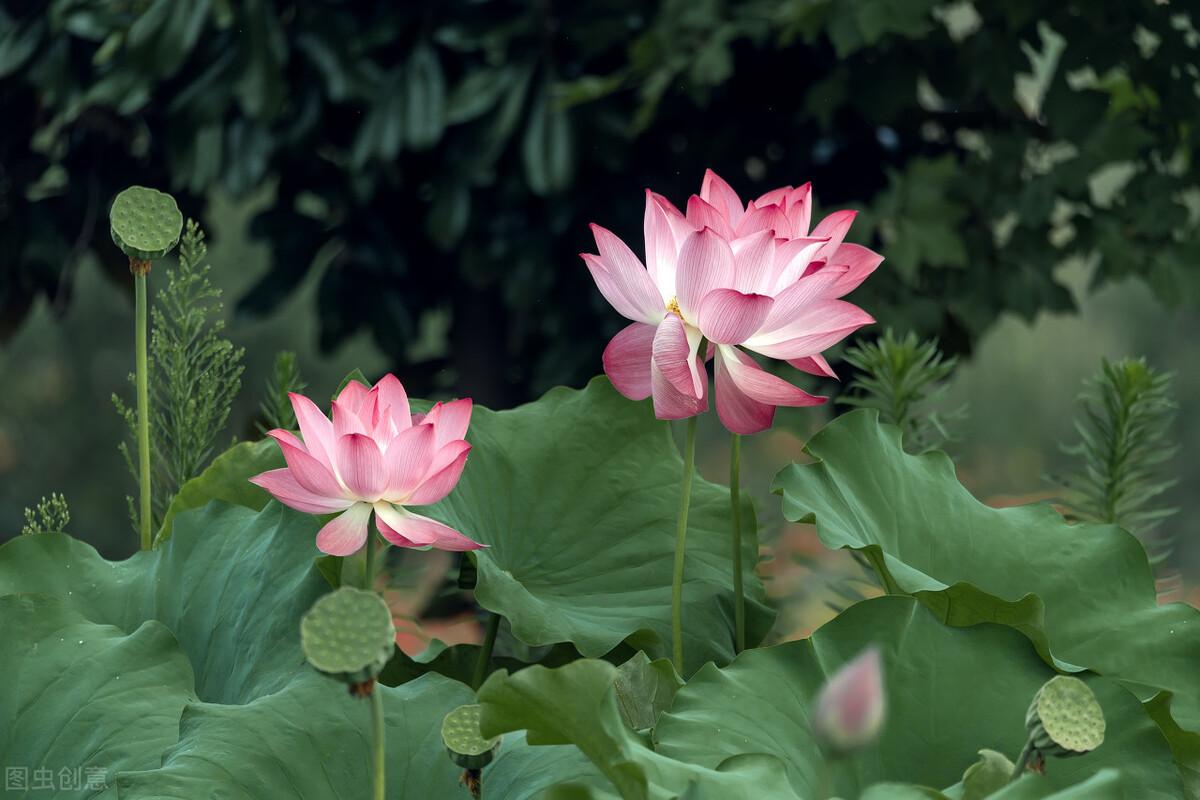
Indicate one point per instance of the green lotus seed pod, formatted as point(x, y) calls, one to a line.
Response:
point(145, 224)
point(464, 742)
point(1065, 718)
point(348, 634)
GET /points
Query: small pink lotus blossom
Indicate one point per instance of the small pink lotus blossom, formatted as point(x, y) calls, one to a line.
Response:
point(752, 276)
point(374, 456)
point(849, 710)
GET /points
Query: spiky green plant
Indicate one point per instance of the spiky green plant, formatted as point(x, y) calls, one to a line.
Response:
point(903, 378)
point(197, 374)
point(50, 515)
point(1128, 414)
point(275, 408)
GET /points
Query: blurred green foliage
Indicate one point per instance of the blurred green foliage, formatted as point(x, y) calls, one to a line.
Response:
point(444, 158)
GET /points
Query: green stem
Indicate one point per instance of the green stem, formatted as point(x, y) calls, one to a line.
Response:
point(485, 652)
point(735, 509)
point(377, 722)
point(143, 403)
point(685, 499)
point(1022, 761)
point(369, 562)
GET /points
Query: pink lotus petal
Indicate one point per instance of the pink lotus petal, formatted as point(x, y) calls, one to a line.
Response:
point(747, 395)
point(361, 466)
point(774, 197)
point(446, 454)
point(728, 316)
point(394, 398)
point(670, 403)
point(284, 487)
point(627, 276)
point(346, 533)
point(315, 427)
point(674, 355)
point(345, 417)
point(439, 483)
point(799, 209)
point(792, 259)
point(859, 261)
point(308, 471)
point(408, 459)
point(615, 291)
point(835, 226)
point(753, 262)
point(450, 420)
point(352, 395)
point(701, 214)
point(814, 365)
point(769, 218)
point(719, 194)
point(627, 360)
point(797, 299)
point(403, 528)
point(820, 325)
point(705, 263)
point(665, 228)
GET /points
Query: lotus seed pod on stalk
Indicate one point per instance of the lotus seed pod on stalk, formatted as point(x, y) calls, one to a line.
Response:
point(849, 712)
point(145, 224)
point(348, 634)
point(1065, 718)
point(466, 745)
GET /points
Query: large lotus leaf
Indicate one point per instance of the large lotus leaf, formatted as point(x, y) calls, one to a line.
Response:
point(231, 585)
point(525, 772)
point(577, 704)
point(83, 697)
point(1084, 594)
point(309, 741)
point(577, 496)
point(951, 692)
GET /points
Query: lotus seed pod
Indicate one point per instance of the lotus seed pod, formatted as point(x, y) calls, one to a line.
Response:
point(848, 714)
point(348, 634)
point(145, 224)
point(1065, 718)
point(466, 745)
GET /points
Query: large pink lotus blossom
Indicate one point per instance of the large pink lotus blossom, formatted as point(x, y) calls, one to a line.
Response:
point(749, 275)
point(375, 456)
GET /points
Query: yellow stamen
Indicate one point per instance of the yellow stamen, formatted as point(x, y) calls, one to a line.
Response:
point(673, 307)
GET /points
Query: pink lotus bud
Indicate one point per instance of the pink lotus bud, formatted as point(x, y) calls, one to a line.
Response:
point(849, 710)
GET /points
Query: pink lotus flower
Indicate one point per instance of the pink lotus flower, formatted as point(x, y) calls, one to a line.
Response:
point(849, 710)
point(751, 276)
point(375, 456)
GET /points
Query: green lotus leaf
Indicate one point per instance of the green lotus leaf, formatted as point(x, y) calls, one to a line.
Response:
point(1084, 594)
point(951, 692)
point(145, 223)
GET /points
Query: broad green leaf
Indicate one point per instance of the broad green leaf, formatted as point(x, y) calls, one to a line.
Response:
point(644, 690)
point(1084, 594)
point(525, 772)
point(311, 740)
point(950, 691)
point(95, 669)
point(225, 479)
point(576, 495)
point(78, 695)
point(577, 704)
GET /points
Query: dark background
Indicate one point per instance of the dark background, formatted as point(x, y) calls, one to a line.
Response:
point(407, 186)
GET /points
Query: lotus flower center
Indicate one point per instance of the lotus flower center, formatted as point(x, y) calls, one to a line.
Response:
point(673, 307)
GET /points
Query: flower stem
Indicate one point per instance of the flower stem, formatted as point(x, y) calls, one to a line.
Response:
point(685, 499)
point(369, 561)
point(735, 510)
point(377, 722)
point(145, 511)
point(485, 652)
point(1022, 760)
